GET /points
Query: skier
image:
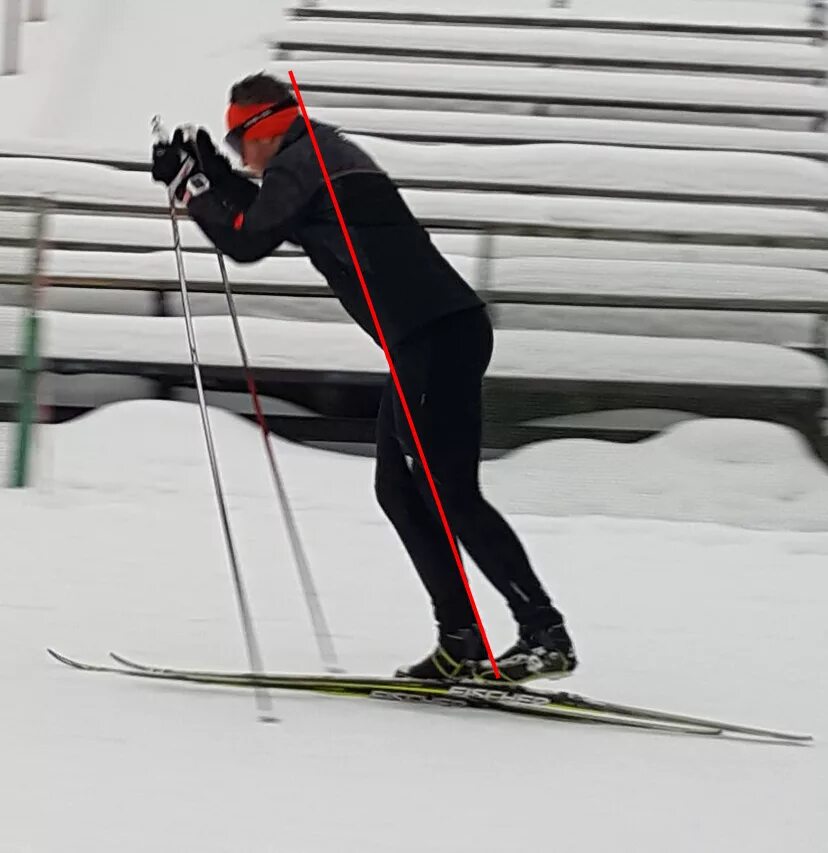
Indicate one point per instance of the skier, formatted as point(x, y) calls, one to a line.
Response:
point(439, 335)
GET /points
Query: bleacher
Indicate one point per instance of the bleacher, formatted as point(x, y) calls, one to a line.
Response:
point(619, 164)
point(538, 47)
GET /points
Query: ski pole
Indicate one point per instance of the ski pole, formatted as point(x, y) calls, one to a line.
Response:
point(322, 633)
point(263, 699)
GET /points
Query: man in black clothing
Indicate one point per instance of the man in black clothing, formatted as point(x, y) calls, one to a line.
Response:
point(438, 333)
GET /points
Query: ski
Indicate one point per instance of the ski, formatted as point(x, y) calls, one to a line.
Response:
point(496, 695)
point(507, 699)
point(571, 700)
point(549, 699)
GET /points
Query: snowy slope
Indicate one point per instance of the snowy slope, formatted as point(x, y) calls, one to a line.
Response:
point(118, 547)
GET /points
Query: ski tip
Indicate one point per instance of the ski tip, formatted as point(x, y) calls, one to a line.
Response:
point(124, 661)
point(788, 737)
point(65, 660)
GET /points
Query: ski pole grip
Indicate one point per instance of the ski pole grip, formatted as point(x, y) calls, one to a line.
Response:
point(159, 133)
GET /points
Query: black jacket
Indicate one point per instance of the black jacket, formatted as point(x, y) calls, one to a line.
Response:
point(410, 282)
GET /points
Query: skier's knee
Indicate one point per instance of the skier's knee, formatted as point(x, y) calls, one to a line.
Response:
point(459, 495)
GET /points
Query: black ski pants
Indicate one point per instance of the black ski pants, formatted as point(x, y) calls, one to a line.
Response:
point(441, 370)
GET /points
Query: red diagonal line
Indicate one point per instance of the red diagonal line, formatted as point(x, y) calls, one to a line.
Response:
point(395, 377)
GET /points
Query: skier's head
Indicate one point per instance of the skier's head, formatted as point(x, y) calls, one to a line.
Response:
point(261, 110)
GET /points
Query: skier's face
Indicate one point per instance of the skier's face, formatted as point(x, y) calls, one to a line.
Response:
point(256, 153)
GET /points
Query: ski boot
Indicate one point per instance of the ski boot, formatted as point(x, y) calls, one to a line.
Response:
point(538, 653)
point(459, 655)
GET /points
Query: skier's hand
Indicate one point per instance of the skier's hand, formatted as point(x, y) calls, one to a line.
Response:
point(211, 163)
point(174, 161)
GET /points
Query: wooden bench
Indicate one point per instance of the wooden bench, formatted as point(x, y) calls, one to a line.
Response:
point(555, 19)
point(592, 171)
point(142, 228)
point(334, 368)
point(582, 282)
point(700, 177)
point(542, 89)
point(546, 47)
point(434, 126)
point(524, 292)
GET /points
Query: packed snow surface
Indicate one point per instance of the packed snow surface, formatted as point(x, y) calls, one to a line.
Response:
point(118, 547)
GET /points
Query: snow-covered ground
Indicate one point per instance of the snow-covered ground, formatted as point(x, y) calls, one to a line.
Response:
point(118, 547)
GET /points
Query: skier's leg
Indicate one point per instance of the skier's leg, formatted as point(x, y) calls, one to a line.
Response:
point(489, 539)
point(442, 381)
point(448, 417)
point(418, 527)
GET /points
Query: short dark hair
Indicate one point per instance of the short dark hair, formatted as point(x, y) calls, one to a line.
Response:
point(260, 88)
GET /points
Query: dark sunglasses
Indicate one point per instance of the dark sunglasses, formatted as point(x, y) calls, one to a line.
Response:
point(233, 139)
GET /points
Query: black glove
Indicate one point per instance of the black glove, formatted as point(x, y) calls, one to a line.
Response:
point(215, 166)
point(173, 162)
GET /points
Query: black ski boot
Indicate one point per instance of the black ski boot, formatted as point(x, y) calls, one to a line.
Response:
point(538, 653)
point(460, 654)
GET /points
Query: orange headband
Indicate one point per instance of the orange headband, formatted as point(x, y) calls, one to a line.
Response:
point(272, 124)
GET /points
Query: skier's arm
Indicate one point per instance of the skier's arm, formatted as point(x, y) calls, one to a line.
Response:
point(251, 233)
point(238, 191)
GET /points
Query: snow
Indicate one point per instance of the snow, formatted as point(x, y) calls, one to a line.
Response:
point(545, 84)
point(713, 619)
point(339, 347)
point(77, 86)
point(99, 283)
point(691, 566)
point(747, 12)
point(508, 43)
point(427, 124)
point(561, 129)
point(562, 166)
point(734, 472)
point(541, 247)
point(549, 276)
point(622, 215)
point(607, 168)
point(532, 279)
point(448, 210)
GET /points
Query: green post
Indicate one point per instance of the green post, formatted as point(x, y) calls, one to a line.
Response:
point(29, 360)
